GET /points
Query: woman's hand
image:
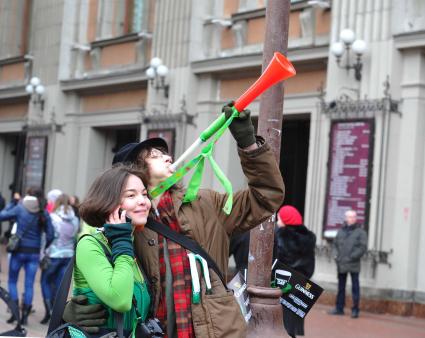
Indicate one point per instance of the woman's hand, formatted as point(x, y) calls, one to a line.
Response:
point(117, 216)
point(118, 232)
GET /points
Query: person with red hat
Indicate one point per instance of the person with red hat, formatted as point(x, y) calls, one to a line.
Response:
point(295, 247)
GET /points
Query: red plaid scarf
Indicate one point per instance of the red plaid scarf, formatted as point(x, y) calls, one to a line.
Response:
point(180, 268)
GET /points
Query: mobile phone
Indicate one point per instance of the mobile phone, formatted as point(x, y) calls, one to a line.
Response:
point(127, 219)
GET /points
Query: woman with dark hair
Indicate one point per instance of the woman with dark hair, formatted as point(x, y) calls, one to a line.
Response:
point(74, 202)
point(32, 220)
point(105, 270)
point(294, 246)
point(60, 252)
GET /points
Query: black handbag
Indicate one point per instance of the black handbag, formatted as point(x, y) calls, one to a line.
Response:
point(13, 243)
point(15, 240)
point(45, 263)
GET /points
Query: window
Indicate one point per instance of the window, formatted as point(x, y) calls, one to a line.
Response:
point(14, 27)
point(117, 17)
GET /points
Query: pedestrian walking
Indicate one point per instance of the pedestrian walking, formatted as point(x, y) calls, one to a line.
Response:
point(350, 245)
point(74, 201)
point(59, 253)
point(166, 262)
point(52, 195)
point(32, 220)
point(294, 246)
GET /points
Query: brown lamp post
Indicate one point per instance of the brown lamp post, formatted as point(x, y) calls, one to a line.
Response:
point(266, 318)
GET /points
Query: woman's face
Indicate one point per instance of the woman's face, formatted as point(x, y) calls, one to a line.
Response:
point(135, 201)
point(71, 200)
point(159, 166)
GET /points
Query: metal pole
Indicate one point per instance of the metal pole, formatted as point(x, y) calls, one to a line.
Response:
point(266, 310)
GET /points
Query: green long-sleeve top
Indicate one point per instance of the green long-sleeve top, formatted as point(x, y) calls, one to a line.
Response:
point(112, 286)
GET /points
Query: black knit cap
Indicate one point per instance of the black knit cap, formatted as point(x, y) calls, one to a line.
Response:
point(129, 152)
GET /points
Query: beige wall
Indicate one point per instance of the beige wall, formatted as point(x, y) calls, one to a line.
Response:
point(111, 101)
point(323, 22)
point(305, 82)
point(12, 72)
point(120, 54)
point(91, 29)
point(13, 111)
point(256, 29)
point(230, 7)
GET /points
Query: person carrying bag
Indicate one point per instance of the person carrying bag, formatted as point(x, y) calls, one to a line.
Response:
point(105, 270)
point(32, 221)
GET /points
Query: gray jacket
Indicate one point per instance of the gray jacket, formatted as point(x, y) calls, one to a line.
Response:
point(350, 245)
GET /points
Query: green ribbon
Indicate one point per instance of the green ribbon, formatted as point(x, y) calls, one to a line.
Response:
point(199, 163)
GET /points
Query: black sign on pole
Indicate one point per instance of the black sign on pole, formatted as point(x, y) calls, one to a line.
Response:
point(35, 162)
point(299, 294)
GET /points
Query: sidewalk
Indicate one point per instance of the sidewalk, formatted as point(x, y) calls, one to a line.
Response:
point(318, 323)
point(34, 328)
point(321, 325)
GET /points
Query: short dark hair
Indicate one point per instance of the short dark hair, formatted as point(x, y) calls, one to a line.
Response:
point(105, 194)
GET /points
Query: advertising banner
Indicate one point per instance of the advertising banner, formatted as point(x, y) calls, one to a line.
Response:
point(298, 293)
point(349, 173)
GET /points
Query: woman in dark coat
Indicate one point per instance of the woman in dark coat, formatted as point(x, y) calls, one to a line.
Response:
point(294, 246)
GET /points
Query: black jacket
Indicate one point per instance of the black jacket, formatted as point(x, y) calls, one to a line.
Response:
point(295, 247)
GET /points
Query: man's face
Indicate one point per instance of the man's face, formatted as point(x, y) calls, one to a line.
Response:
point(159, 165)
point(350, 217)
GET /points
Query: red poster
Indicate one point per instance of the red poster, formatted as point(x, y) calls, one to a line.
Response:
point(349, 173)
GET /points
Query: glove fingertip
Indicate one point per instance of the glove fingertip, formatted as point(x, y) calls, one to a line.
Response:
point(80, 299)
point(91, 329)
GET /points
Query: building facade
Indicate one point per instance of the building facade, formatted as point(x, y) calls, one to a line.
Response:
point(91, 57)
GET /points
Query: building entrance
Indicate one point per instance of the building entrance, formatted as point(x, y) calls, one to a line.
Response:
point(12, 152)
point(294, 159)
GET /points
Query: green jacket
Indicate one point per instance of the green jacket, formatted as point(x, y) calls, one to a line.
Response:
point(112, 286)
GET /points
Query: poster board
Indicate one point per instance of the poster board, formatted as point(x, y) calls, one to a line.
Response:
point(239, 287)
point(35, 162)
point(299, 294)
point(349, 173)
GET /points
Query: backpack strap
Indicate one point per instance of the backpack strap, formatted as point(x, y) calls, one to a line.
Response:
point(62, 294)
point(185, 242)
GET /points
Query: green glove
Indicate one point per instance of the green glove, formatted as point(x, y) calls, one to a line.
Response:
point(241, 127)
point(119, 236)
point(87, 317)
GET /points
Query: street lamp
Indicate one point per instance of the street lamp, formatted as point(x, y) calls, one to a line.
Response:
point(157, 73)
point(36, 90)
point(349, 43)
